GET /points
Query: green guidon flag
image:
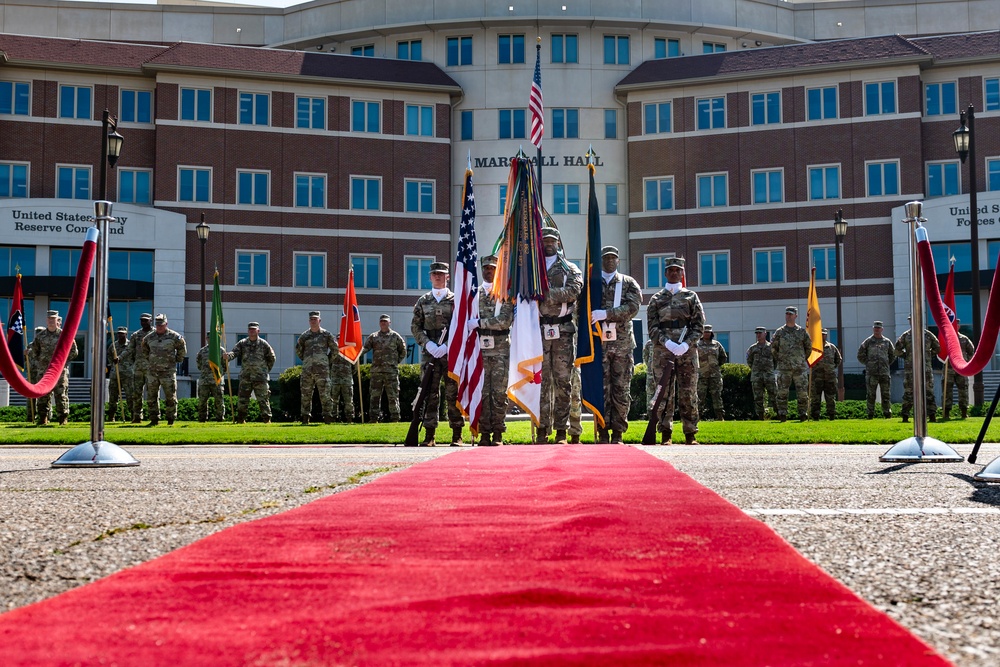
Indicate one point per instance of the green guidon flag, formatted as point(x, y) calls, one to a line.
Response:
point(216, 332)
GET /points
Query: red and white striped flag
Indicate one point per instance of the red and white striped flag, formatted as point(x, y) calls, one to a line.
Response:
point(465, 356)
point(535, 102)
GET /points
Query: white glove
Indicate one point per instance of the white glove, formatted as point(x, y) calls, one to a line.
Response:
point(598, 316)
point(441, 351)
point(671, 346)
point(680, 349)
point(431, 348)
point(471, 324)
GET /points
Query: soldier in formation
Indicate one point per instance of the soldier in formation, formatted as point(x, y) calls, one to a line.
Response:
point(904, 348)
point(119, 372)
point(952, 379)
point(136, 359)
point(163, 349)
point(675, 322)
point(876, 353)
point(556, 313)
point(761, 364)
point(34, 375)
point(256, 359)
point(44, 346)
point(711, 356)
point(824, 379)
point(620, 300)
point(647, 360)
point(342, 387)
point(431, 317)
point(208, 387)
point(314, 347)
point(790, 348)
point(388, 351)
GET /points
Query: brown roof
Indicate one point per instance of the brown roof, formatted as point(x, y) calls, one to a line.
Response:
point(76, 52)
point(763, 60)
point(968, 45)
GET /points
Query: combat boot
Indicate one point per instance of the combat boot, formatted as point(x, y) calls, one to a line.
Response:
point(242, 418)
point(305, 420)
point(574, 439)
point(665, 438)
point(202, 418)
point(946, 413)
point(170, 422)
point(932, 415)
point(154, 422)
point(456, 437)
point(720, 416)
point(689, 439)
point(560, 437)
point(616, 438)
point(602, 437)
point(136, 419)
point(64, 420)
point(265, 420)
point(428, 437)
point(497, 438)
point(43, 421)
point(965, 412)
point(541, 437)
point(484, 439)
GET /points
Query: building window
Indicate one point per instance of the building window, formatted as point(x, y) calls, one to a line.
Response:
point(73, 182)
point(824, 260)
point(565, 198)
point(196, 104)
point(993, 174)
point(940, 99)
point(14, 258)
point(366, 193)
point(666, 48)
point(656, 118)
point(611, 199)
point(310, 113)
point(251, 267)
point(616, 50)
point(410, 50)
point(367, 271)
point(713, 268)
point(193, 184)
point(565, 123)
point(418, 272)
point(503, 199)
point(13, 180)
point(711, 113)
point(768, 186)
point(824, 182)
point(310, 269)
point(364, 50)
point(512, 124)
point(713, 190)
point(253, 187)
point(510, 49)
point(137, 106)
point(610, 123)
point(821, 103)
point(310, 190)
point(15, 98)
point(420, 120)
point(365, 116)
point(992, 94)
point(659, 193)
point(74, 102)
point(135, 186)
point(459, 51)
point(254, 109)
point(565, 49)
point(131, 265)
point(712, 47)
point(765, 108)
point(63, 261)
point(467, 125)
point(769, 266)
point(655, 278)
point(943, 179)
point(419, 196)
point(880, 98)
point(883, 178)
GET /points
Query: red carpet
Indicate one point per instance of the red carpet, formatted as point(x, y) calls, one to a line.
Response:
point(573, 555)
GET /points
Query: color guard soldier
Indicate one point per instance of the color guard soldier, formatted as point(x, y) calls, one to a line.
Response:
point(119, 372)
point(208, 387)
point(790, 348)
point(314, 347)
point(876, 353)
point(824, 379)
point(342, 387)
point(163, 349)
point(762, 381)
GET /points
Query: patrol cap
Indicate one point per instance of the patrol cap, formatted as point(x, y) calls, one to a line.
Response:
point(253, 325)
point(708, 327)
point(439, 267)
point(762, 330)
point(877, 324)
point(826, 332)
point(791, 310)
point(609, 250)
point(673, 261)
point(551, 233)
point(145, 316)
point(384, 318)
point(37, 329)
point(161, 318)
point(123, 330)
point(313, 313)
point(52, 313)
point(489, 260)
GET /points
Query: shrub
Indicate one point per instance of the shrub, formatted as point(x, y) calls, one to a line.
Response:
point(290, 391)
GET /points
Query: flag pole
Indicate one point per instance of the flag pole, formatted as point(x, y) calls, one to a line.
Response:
point(114, 358)
point(538, 111)
point(361, 391)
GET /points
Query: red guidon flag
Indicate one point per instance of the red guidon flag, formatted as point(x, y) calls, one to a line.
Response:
point(949, 307)
point(350, 324)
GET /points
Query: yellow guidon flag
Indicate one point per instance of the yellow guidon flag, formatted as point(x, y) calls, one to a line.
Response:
point(814, 323)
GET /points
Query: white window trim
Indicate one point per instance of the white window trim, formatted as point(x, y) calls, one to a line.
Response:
point(267, 266)
point(768, 170)
point(725, 113)
point(236, 200)
point(657, 179)
point(657, 103)
point(432, 259)
point(380, 119)
point(211, 104)
point(270, 110)
point(753, 259)
point(527, 122)
point(729, 262)
point(433, 120)
point(899, 174)
point(66, 165)
point(698, 193)
point(781, 110)
point(326, 108)
point(957, 161)
point(826, 246)
point(895, 92)
point(985, 79)
point(350, 194)
point(617, 36)
point(927, 84)
point(15, 80)
point(152, 107)
point(309, 174)
point(15, 163)
point(136, 170)
point(986, 170)
point(836, 103)
point(579, 197)
point(840, 181)
point(90, 116)
point(363, 255)
point(211, 176)
point(308, 253)
point(645, 266)
point(433, 182)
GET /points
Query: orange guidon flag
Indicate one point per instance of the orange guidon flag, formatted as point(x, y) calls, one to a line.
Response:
point(814, 323)
point(350, 325)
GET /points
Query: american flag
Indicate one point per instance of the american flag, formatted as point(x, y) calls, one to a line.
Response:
point(465, 357)
point(535, 102)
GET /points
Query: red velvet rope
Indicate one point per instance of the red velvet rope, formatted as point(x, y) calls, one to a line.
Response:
point(950, 344)
point(76, 305)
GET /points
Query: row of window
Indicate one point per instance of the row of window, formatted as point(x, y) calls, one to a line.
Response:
point(122, 264)
point(768, 264)
point(253, 268)
point(513, 124)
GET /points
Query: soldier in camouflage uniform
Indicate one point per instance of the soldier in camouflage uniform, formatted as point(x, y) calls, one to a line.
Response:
point(876, 353)
point(762, 380)
point(952, 379)
point(342, 386)
point(44, 346)
point(208, 387)
point(711, 356)
point(620, 298)
point(494, 322)
point(119, 372)
point(163, 349)
point(388, 351)
point(575, 429)
point(431, 317)
point(824, 379)
point(790, 349)
point(256, 358)
point(556, 314)
point(135, 358)
point(675, 322)
point(34, 374)
point(314, 347)
point(647, 360)
point(904, 348)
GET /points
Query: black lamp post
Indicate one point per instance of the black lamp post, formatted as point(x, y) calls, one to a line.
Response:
point(111, 147)
point(203, 230)
point(965, 146)
point(839, 232)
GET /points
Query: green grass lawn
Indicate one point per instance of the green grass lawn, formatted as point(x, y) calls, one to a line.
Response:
point(842, 431)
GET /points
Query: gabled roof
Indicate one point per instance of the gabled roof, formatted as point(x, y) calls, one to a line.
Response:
point(961, 47)
point(25, 49)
